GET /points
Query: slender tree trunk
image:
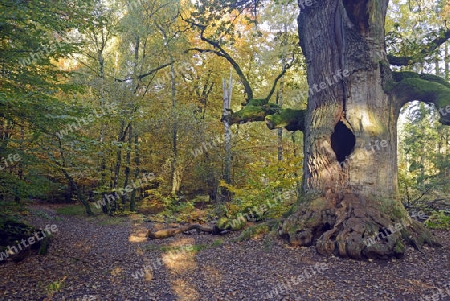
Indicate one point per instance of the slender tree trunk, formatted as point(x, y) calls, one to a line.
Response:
point(20, 165)
point(227, 94)
point(436, 66)
point(280, 130)
point(121, 138)
point(175, 173)
point(72, 183)
point(136, 172)
point(447, 61)
point(128, 165)
point(281, 90)
point(103, 181)
point(446, 169)
point(298, 184)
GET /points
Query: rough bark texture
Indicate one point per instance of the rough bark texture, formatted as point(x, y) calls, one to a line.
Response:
point(350, 136)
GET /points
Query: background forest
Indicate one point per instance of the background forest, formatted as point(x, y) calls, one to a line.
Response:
point(118, 105)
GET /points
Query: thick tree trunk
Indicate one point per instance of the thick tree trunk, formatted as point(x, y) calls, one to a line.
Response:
point(346, 66)
point(350, 138)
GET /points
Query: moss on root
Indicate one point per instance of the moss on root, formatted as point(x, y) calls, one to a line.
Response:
point(349, 226)
point(254, 232)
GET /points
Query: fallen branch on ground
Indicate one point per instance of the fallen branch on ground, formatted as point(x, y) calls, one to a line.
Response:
point(165, 233)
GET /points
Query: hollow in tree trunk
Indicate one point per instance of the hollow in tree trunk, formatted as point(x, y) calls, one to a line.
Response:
point(351, 206)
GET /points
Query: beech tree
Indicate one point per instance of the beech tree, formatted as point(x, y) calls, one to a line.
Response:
point(350, 190)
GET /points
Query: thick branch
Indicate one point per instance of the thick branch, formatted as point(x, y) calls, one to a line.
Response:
point(291, 120)
point(251, 113)
point(432, 46)
point(273, 115)
point(427, 88)
point(400, 60)
point(247, 88)
point(222, 53)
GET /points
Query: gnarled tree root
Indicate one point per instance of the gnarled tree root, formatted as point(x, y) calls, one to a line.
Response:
point(349, 225)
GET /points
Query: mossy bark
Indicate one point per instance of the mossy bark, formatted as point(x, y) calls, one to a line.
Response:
point(351, 206)
point(407, 86)
point(272, 114)
point(12, 233)
point(250, 113)
point(291, 120)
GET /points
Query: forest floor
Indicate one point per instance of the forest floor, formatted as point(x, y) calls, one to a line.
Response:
point(99, 258)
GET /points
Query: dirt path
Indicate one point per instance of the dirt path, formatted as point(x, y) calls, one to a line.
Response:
point(96, 260)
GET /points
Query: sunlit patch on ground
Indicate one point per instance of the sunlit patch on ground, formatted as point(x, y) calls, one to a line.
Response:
point(116, 271)
point(140, 251)
point(139, 234)
point(180, 260)
point(148, 276)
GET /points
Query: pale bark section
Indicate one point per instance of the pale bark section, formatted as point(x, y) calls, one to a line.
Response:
point(227, 94)
point(372, 167)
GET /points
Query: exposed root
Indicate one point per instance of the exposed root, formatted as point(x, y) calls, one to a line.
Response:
point(349, 225)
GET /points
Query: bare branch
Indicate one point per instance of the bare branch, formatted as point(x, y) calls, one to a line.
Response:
point(432, 46)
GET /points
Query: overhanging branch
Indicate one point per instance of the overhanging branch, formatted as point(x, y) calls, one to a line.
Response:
point(141, 76)
point(247, 88)
point(291, 120)
point(432, 46)
point(221, 52)
point(409, 86)
point(272, 114)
